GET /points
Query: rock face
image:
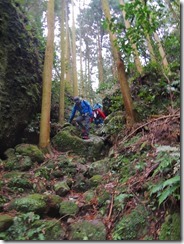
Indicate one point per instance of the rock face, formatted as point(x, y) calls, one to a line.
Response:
point(20, 74)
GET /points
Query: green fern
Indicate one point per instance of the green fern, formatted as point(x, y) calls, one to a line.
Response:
point(166, 160)
point(166, 189)
point(169, 187)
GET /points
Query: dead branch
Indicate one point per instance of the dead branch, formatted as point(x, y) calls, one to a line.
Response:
point(163, 117)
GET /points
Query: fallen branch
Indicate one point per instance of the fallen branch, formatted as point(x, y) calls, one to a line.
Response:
point(163, 117)
point(110, 210)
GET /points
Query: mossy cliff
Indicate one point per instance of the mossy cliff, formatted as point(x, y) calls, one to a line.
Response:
point(20, 74)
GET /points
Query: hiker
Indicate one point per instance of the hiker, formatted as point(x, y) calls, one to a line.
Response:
point(97, 105)
point(98, 115)
point(86, 113)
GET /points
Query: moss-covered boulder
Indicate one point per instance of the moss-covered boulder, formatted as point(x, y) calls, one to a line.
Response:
point(132, 226)
point(18, 182)
point(81, 183)
point(99, 167)
point(18, 162)
point(68, 208)
point(88, 231)
point(171, 228)
point(61, 188)
point(88, 196)
point(5, 221)
point(43, 171)
point(53, 230)
point(95, 180)
point(30, 227)
point(30, 150)
point(113, 123)
point(53, 204)
point(66, 140)
point(36, 203)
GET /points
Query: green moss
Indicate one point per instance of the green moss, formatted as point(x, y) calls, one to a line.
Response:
point(61, 188)
point(170, 229)
point(53, 230)
point(68, 208)
point(32, 203)
point(132, 226)
point(20, 183)
point(89, 195)
point(88, 231)
point(30, 150)
point(5, 221)
point(18, 163)
point(95, 180)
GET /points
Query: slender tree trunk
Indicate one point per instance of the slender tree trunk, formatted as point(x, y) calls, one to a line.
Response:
point(100, 60)
point(161, 51)
point(150, 48)
point(44, 138)
point(125, 90)
point(81, 65)
point(75, 81)
point(62, 81)
point(68, 66)
point(136, 53)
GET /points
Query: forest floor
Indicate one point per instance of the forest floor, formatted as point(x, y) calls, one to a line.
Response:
point(162, 130)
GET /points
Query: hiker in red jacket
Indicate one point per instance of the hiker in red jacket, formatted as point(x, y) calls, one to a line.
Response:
point(98, 115)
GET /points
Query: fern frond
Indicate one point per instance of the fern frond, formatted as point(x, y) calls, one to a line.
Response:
point(166, 193)
point(171, 181)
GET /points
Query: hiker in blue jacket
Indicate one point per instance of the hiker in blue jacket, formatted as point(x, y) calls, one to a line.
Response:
point(86, 113)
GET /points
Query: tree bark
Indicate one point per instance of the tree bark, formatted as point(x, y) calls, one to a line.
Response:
point(63, 70)
point(75, 81)
point(161, 51)
point(125, 90)
point(44, 138)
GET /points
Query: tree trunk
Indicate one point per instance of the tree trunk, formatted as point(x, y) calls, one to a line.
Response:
point(100, 60)
point(75, 81)
point(62, 81)
point(161, 51)
point(68, 65)
point(150, 48)
point(81, 65)
point(125, 90)
point(44, 138)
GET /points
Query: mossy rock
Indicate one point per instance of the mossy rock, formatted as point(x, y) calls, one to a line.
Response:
point(68, 208)
point(53, 231)
point(89, 195)
point(5, 221)
point(99, 167)
point(88, 231)
point(43, 172)
point(36, 203)
point(18, 162)
point(19, 182)
point(61, 188)
point(95, 180)
point(10, 152)
point(171, 228)
point(132, 226)
point(81, 183)
point(54, 202)
point(30, 150)
point(66, 141)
